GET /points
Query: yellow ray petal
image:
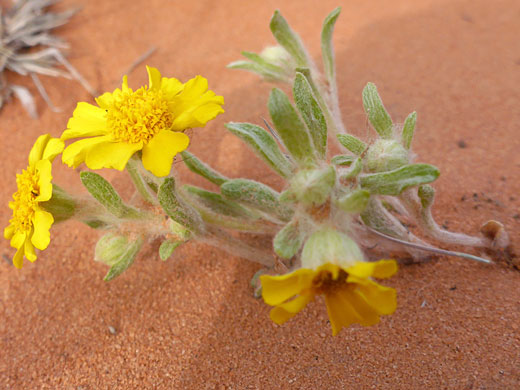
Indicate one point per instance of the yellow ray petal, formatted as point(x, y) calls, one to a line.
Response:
point(53, 148)
point(158, 154)
point(18, 239)
point(278, 289)
point(42, 222)
point(384, 269)
point(104, 101)
point(87, 121)
point(29, 251)
point(207, 112)
point(194, 88)
point(124, 86)
point(18, 258)
point(379, 269)
point(341, 312)
point(9, 232)
point(287, 310)
point(383, 299)
point(154, 77)
point(368, 314)
point(195, 112)
point(75, 153)
point(171, 87)
point(44, 168)
point(110, 155)
point(38, 148)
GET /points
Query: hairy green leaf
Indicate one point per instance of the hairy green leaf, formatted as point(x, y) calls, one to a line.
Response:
point(255, 195)
point(311, 113)
point(198, 167)
point(218, 203)
point(327, 50)
point(288, 39)
point(353, 144)
point(167, 247)
point(355, 201)
point(263, 144)
point(408, 129)
point(105, 194)
point(291, 128)
point(396, 181)
point(177, 209)
point(376, 112)
point(342, 159)
point(288, 241)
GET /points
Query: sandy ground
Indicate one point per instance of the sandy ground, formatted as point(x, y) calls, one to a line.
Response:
point(192, 322)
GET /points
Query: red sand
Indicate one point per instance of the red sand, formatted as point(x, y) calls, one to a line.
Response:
point(192, 323)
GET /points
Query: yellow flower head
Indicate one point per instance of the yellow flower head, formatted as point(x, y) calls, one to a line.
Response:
point(30, 224)
point(333, 266)
point(151, 119)
point(350, 295)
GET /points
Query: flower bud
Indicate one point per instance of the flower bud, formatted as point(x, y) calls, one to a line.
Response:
point(385, 155)
point(330, 246)
point(312, 187)
point(112, 248)
point(277, 55)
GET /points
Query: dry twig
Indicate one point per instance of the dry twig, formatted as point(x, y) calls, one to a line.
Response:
point(24, 26)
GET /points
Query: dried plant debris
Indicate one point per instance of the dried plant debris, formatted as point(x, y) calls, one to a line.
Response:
point(28, 48)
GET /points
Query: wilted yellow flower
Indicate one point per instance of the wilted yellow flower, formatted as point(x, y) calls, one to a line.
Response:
point(151, 119)
point(30, 224)
point(350, 295)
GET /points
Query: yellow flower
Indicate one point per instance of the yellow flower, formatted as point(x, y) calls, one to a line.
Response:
point(151, 119)
point(350, 295)
point(30, 224)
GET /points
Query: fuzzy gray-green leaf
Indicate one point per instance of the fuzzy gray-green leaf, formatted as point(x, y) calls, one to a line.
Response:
point(288, 241)
point(254, 68)
point(327, 50)
point(167, 247)
point(291, 128)
point(342, 159)
point(218, 203)
point(263, 144)
point(408, 130)
point(198, 167)
point(376, 112)
point(311, 112)
point(268, 66)
point(105, 194)
point(354, 170)
point(396, 181)
point(352, 143)
point(256, 195)
point(176, 209)
point(355, 201)
point(288, 39)
point(126, 259)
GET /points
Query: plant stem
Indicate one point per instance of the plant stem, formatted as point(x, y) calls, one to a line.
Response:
point(139, 182)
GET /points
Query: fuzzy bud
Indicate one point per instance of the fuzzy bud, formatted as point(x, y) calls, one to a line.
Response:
point(312, 187)
point(278, 56)
point(385, 155)
point(112, 248)
point(330, 246)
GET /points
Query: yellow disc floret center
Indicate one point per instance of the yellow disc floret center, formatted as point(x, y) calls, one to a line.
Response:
point(135, 117)
point(24, 200)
